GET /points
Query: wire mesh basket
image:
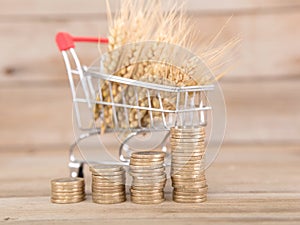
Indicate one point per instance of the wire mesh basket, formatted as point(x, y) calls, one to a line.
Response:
point(189, 104)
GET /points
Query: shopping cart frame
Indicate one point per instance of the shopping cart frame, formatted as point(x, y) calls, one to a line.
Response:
point(66, 44)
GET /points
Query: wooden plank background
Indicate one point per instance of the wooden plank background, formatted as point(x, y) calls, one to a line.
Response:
point(255, 178)
point(261, 93)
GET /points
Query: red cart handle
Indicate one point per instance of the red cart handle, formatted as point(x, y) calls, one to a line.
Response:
point(65, 41)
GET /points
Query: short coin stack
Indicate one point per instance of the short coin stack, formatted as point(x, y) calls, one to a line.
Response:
point(149, 177)
point(67, 190)
point(187, 164)
point(108, 184)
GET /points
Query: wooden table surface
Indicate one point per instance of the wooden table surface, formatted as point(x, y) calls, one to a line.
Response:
point(247, 184)
point(255, 179)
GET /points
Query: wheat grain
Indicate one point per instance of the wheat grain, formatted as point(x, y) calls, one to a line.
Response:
point(142, 20)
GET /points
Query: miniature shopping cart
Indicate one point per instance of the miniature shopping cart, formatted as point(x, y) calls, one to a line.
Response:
point(191, 102)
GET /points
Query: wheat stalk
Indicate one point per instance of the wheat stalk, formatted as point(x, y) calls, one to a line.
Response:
point(142, 20)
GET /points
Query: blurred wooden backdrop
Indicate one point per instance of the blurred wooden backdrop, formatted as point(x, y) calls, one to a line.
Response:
point(262, 94)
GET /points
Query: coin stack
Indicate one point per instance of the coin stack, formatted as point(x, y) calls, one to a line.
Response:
point(67, 190)
point(187, 164)
point(149, 177)
point(108, 184)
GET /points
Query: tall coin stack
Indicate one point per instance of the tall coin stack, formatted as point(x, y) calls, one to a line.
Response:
point(67, 190)
point(149, 177)
point(108, 184)
point(187, 164)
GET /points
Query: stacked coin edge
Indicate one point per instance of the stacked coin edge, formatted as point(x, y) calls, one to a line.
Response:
point(148, 177)
point(67, 190)
point(188, 164)
point(108, 184)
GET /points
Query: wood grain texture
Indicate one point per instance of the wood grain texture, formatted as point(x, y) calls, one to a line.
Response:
point(255, 179)
point(247, 185)
point(269, 47)
point(258, 112)
point(94, 7)
point(220, 209)
point(238, 170)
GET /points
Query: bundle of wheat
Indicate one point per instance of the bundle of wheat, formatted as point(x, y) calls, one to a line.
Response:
point(142, 21)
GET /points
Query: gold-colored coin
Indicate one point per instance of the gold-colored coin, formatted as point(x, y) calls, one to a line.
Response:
point(148, 154)
point(60, 201)
point(184, 183)
point(153, 185)
point(189, 186)
point(191, 194)
point(192, 188)
point(197, 137)
point(111, 176)
point(108, 194)
point(188, 162)
point(107, 184)
point(186, 145)
point(151, 191)
point(148, 174)
point(148, 196)
point(134, 161)
point(180, 200)
point(107, 174)
point(196, 146)
point(187, 180)
point(137, 163)
point(109, 201)
point(148, 159)
point(187, 150)
point(187, 129)
point(67, 190)
point(148, 180)
point(185, 169)
point(200, 145)
point(104, 197)
point(143, 187)
point(147, 202)
point(195, 175)
point(70, 182)
point(108, 178)
point(75, 193)
point(67, 197)
point(148, 171)
point(186, 158)
point(187, 166)
point(104, 188)
point(187, 132)
point(151, 177)
point(101, 168)
point(186, 174)
point(186, 140)
point(148, 167)
point(185, 154)
point(97, 190)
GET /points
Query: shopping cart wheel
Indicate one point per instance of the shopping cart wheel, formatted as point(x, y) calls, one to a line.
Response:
point(76, 169)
